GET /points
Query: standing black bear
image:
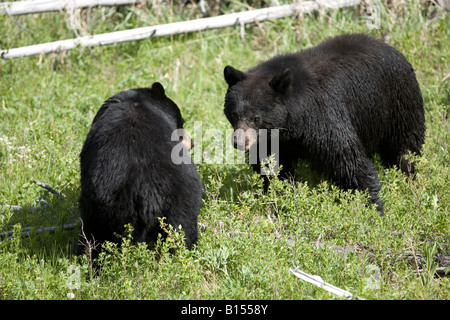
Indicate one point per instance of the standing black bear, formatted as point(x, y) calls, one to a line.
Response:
point(127, 172)
point(335, 105)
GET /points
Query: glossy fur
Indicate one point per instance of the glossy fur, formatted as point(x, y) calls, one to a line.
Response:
point(127, 175)
point(336, 105)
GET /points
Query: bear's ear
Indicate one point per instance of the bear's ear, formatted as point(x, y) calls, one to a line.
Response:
point(232, 76)
point(281, 82)
point(158, 88)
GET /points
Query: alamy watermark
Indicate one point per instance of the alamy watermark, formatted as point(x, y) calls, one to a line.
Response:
point(214, 146)
point(73, 280)
point(373, 19)
point(374, 277)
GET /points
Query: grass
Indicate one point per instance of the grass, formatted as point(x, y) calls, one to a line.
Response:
point(249, 240)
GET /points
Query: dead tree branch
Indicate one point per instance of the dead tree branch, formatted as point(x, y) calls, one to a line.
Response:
point(48, 188)
point(27, 231)
point(228, 20)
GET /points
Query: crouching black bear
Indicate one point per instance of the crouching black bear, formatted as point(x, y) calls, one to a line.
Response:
point(335, 105)
point(127, 173)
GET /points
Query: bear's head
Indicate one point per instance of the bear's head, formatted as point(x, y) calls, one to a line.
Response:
point(254, 101)
point(172, 109)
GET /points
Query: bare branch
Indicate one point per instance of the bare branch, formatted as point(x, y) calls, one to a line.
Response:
point(30, 209)
point(4, 8)
point(48, 188)
point(26, 231)
point(228, 20)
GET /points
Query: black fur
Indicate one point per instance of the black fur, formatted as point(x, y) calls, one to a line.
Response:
point(127, 175)
point(336, 105)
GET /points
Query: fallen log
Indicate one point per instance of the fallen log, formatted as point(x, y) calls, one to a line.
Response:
point(228, 20)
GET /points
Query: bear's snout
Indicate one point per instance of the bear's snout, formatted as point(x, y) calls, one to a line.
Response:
point(244, 139)
point(187, 141)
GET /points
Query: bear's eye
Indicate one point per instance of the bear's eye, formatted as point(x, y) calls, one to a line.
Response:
point(255, 119)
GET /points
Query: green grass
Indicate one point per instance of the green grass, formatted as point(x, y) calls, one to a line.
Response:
point(249, 240)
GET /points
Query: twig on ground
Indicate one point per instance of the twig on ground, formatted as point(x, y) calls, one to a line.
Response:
point(30, 209)
point(48, 188)
point(4, 7)
point(318, 281)
point(28, 230)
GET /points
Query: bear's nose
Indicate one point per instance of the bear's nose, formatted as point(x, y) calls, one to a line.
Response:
point(239, 141)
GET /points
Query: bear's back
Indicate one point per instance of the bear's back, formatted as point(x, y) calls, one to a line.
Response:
point(137, 124)
point(353, 79)
point(129, 141)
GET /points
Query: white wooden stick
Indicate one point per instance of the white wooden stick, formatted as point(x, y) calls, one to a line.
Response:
point(318, 281)
point(233, 19)
point(38, 6)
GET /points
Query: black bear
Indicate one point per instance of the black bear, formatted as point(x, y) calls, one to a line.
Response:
point(335, 105)
point(127, 173)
